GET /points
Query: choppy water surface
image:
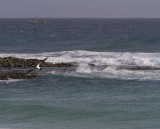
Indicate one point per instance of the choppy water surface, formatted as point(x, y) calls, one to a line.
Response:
point(88, 97)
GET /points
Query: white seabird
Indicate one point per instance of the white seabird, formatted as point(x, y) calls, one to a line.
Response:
point(37, 66)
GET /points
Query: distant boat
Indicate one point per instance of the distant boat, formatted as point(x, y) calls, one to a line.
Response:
point(37, 21)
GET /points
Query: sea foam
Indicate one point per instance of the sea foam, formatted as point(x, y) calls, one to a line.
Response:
point(111, 59)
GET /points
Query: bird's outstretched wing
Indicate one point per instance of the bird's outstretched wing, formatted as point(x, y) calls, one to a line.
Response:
point(30, 70)
point(45, 59)
point(37, 66)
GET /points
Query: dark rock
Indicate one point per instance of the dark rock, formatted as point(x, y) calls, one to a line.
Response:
point(92, 65)
point(62, 65)
point(12, 62)
point(137, 68)
point(20, 63)
point(16, 75)
point(3, 76)
point(133, 68)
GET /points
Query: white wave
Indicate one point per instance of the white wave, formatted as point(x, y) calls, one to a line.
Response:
point(83, 68)
point(83, 58)
point(110, 73)
point(98, 58)
point(11, 80)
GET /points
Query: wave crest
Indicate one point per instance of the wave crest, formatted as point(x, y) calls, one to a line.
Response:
point(113, 59)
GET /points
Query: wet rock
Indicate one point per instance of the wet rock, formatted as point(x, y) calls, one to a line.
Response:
point(3, 76)
point(62, 65)
point(25, 64)
point(91, 65)
point(12, 62)
point(133, 68)
point(137, 68)
point(16, 75)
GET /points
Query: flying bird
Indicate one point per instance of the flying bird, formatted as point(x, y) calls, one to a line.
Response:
point(37, 66)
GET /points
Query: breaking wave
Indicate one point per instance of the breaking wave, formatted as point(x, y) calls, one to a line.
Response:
point(112, 59)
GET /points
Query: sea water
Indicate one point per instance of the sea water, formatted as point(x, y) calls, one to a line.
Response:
point(86, 98)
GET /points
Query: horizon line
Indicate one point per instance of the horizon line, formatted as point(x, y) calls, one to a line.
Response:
point(79, 17)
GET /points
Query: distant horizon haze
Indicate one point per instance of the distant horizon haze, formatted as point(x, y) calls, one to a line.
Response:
point(78, 18)
point(80, 9)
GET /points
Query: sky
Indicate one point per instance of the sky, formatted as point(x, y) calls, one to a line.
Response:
point(80, 8)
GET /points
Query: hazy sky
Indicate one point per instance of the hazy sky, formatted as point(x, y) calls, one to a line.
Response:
point(80, 8)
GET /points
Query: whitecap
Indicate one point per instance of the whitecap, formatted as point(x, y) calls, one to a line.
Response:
point(83, 58)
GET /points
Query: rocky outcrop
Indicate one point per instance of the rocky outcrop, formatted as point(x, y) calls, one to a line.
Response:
point(16, 75)
point(125, 67)
point(19, 68)
point(12, 62)
point(28, 66)
point(137, 68)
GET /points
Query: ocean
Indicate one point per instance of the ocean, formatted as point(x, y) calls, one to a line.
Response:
point(86, 98)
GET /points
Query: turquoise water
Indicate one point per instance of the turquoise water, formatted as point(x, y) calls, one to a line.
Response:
point(86, 98)
point(70, 102)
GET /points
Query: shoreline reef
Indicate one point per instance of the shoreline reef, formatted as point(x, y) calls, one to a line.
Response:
point(17, 68)
point(12, 62)
point(21, 68)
